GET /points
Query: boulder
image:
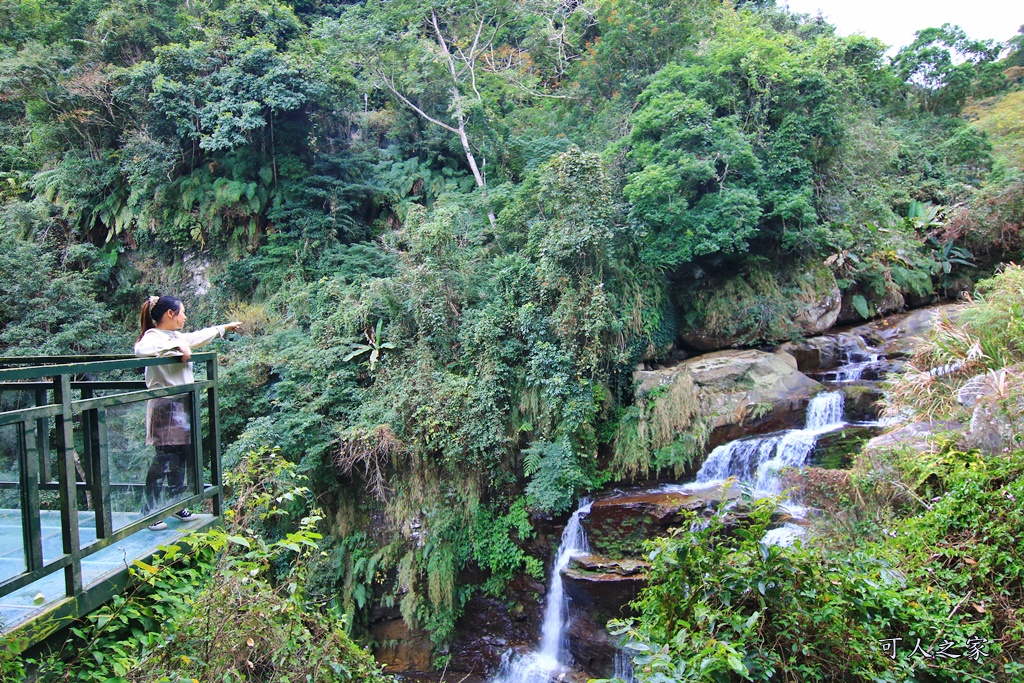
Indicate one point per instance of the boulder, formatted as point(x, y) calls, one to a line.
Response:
point(599, 589)
point(745, 390)
point(818, 307)
point(915, 436)
point(980, 387)
point(834, 450)
point(815, 354)
point(861, 400)
point(617, 526)
point(997, 417)
point(902, 335)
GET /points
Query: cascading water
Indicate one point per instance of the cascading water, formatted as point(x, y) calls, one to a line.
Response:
point(539, 666)
point(624, 668)
point(757, 461)
point(857, 358)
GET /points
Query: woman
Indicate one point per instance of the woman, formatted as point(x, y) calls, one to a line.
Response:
point(168, 420)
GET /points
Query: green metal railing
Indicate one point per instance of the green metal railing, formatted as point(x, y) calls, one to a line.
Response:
point(68, 404)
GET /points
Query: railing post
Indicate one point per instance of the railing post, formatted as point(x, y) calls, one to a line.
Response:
point(67, 478)
point(213, 448)
point(196, 421)
point(30, 524)
point(43, 440)
point(101, 477)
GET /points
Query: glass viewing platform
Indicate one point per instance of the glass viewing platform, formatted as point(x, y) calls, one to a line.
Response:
point(75, 505)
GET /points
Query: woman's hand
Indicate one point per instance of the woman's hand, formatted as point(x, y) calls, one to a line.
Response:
point(232, 326)
point(186, 353)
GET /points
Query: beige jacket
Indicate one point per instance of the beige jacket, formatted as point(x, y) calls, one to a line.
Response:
point(168, 420)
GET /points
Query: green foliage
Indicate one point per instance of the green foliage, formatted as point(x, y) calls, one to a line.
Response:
point(947, 67)
point(638, 37)
point(495, 549)
point(48, 300)
point(484, 195)
point(226, 604)
point(722, 605)
point(373, 346)
point(724, 142)
point(666, 429)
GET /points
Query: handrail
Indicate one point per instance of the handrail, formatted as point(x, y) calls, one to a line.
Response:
point(89, 365)
point(49, 427)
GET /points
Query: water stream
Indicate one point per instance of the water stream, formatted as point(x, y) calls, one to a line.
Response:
point(857, 359)
point(540, 665)
point(756, 461)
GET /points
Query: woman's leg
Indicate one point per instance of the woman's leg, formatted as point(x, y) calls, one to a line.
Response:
point(158, 472)
point(177, 479)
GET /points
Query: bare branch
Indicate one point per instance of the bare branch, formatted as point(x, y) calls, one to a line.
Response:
point(391, 86)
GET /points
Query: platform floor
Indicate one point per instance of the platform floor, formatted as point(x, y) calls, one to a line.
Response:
point(22, 605)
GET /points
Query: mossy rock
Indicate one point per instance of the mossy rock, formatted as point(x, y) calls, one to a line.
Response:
point(760, 305)
point(836, 450)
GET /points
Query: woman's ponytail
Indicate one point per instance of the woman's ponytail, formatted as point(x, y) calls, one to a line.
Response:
point(154, 308)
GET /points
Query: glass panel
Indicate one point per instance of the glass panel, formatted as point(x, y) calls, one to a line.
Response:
point(49, 498)
point(151, 461)
point(12, 540)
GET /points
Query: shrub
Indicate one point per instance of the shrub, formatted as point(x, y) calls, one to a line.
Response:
point(228, 604)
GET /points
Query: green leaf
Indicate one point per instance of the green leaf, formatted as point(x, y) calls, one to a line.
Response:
point(240, 541)
point(860, 304)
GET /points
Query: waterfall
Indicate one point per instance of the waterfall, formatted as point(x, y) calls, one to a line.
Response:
point(540, 665)
point(757, 461)
point(624, 667)
point(856, 357)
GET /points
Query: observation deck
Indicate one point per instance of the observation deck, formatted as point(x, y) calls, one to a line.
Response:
point(73, 470)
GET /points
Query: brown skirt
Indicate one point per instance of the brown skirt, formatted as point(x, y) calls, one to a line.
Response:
point(168, 422)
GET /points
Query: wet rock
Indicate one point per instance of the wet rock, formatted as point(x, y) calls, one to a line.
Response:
point(617, 526)
point(815, 354)
point(861, 400)
point(915, 436)
point(599, 589)
point(600, 584)
point(835, 450)
point(745, 390)
point(489, 626)
point(401, 649)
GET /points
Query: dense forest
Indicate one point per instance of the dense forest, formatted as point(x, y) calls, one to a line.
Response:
point(452, 230)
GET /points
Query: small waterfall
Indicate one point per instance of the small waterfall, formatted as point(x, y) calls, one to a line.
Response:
point(540, 665)
point(825, 411)
point(757, 461)
point(857, 357)
point(623, 667)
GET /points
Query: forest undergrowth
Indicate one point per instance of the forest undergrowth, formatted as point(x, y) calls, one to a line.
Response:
point(915, 574)
point(452, 232)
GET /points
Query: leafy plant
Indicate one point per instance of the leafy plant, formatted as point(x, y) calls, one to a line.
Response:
point(224, 604)
point(722, 605)
point(373, 346)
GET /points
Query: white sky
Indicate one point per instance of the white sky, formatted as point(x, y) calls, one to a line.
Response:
point(896, 21)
